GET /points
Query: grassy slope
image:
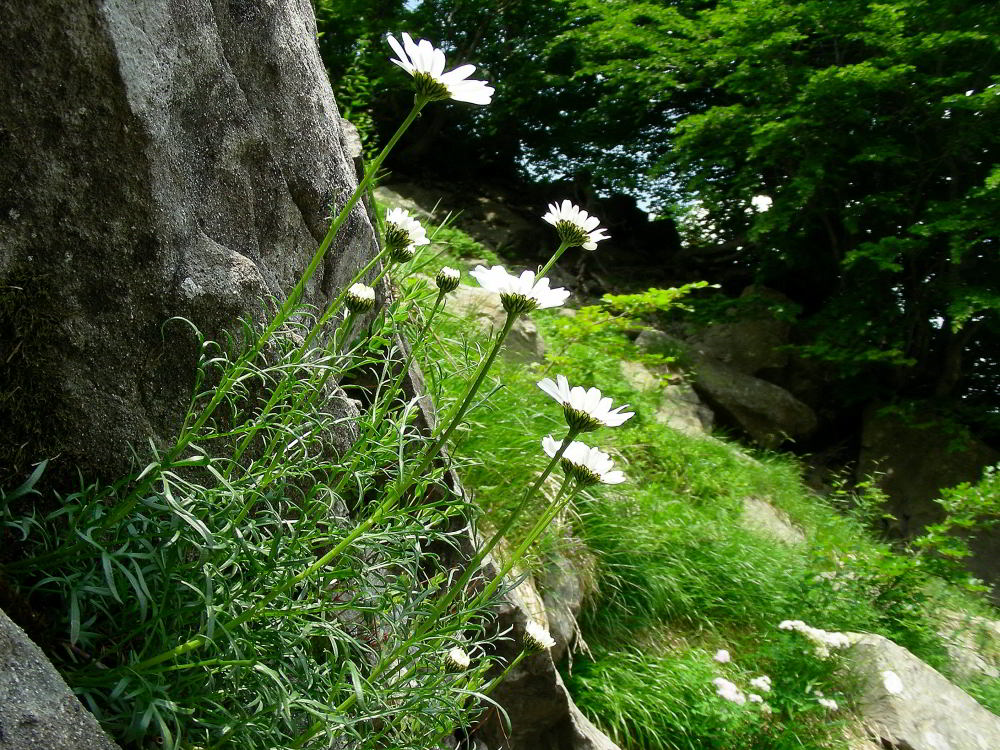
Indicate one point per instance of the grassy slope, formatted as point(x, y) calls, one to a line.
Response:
point(678, 575)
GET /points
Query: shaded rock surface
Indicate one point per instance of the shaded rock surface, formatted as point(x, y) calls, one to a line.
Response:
point(161, 159)
point(914, 462)
point(37, 709)
point(542, 711)
point(766, 412)
point(748, 345)
point(928, 713)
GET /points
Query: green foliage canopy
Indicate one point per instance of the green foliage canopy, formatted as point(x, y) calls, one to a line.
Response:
point(871, 126)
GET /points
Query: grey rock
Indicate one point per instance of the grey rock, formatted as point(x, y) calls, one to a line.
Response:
point(929, 713)
point(540, 707)
point(973, 644)
point(766, 412)
point(162, 158)
point(639, 376)
point(679, 407)
point(759, 515)
point(37, 709)
point(483, 309)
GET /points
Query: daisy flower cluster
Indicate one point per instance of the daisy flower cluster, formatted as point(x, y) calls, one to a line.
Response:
point(730, 691)
point(822, 640)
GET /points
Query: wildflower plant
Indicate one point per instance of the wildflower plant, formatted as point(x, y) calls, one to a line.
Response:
point(261, 584)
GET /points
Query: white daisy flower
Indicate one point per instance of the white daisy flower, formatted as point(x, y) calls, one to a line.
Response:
point(828, 703)
point(448, 279)
point(537, 638)
point(729, 691)
point(575, 226)
point(457, 660)
point(425, 63)
point(360, 298)
point(402, 234)
point(762, 683)
point(722, 656)
point(754, 698)
point(519, 294)
point(584, 463)
point(585, 410)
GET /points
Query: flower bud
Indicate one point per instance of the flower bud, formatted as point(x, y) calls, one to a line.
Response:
point(447, 279)
point(402, 235)
point(456, 660)
point(537, 638)
point(360, 298)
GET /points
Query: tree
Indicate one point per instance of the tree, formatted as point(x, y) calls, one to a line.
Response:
point(871, 127)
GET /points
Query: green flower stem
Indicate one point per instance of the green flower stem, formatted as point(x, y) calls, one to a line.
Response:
point(566, 492)
point(489, 687)
point(397, 384)
point(385, 401)
point(474, 564)
point(563, 247)
point(434, 448)
point(492, 684)
point(341, 333)
point(423, 626)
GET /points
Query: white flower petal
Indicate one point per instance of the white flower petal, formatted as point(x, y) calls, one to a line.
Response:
point(425, 59)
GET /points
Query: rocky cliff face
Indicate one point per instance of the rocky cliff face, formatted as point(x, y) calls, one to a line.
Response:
point(162, 158)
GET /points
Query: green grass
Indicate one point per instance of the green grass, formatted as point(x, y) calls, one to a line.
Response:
point(677, 570)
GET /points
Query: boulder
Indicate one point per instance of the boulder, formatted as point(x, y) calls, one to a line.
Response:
point(908, 705)
point(767, 413)
point(162, 159)
point(483, 309)
point(750, 344)
point(37, 709)
point(679, 407)
point(762, 517)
